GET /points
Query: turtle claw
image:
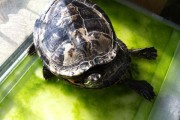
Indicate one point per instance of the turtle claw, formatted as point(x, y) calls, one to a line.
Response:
point(147, 53)
point(143, 88)
point(147, 92)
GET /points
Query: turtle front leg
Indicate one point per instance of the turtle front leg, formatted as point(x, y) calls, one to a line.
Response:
point(147, 53)
point(141, 87)
point(32, 50)
point(46, 73)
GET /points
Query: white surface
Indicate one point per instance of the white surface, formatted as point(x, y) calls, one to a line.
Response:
point(16, 23)
point(167, 105)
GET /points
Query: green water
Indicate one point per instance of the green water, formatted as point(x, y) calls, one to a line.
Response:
point(33, 98)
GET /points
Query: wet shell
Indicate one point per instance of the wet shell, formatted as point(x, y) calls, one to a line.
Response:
point(72, 36)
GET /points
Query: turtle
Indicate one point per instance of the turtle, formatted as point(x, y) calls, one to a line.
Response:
point(76, 42)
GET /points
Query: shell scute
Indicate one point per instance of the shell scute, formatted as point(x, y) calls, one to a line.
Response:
point(77, 22)
point(52, 41)
point(79, 4)
point(87, 13)
point(96, 25)
point(72, 9)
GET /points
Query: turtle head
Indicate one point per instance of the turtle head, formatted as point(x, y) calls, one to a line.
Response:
point(94, 80)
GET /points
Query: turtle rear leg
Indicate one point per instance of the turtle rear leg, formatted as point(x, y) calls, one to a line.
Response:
point(32, 50)
point(147, 53)
point(141, 87)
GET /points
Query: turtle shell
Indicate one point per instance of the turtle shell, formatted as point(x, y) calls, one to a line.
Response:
point(72, 36)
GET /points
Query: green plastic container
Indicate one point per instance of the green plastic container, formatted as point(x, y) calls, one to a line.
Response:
point(25, 95)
